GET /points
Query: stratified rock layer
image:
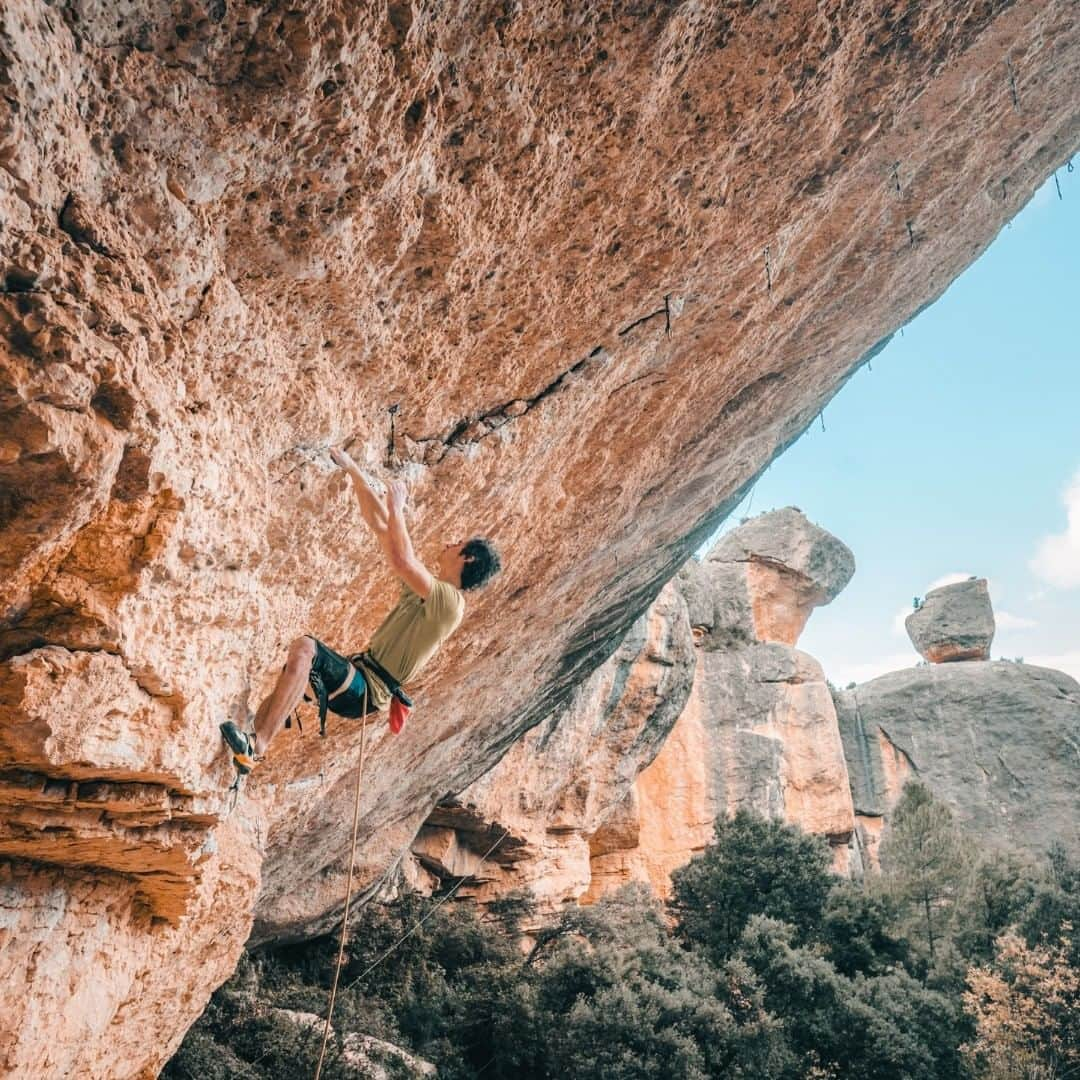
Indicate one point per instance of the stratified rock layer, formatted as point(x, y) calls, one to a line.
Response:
point(998, 741)
point(607, 261)
point(955, 622)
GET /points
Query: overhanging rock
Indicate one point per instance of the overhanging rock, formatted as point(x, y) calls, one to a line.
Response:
point(608, 263)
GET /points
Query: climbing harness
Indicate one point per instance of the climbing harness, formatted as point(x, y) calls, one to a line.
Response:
point(348, 890)
point(400, 702)
point(348, 693)
point(325, 697)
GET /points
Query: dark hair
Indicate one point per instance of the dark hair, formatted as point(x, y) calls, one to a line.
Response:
point(481, 562)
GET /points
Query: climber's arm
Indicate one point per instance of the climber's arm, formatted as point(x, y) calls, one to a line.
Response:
point(372, 508)
point(402, 558)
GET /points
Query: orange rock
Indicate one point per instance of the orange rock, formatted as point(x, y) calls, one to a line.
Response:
point(675, 252)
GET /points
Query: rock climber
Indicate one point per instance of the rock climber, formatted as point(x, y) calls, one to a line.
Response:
point(430, 608)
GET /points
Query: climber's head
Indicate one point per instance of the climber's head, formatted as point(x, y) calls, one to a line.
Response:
point(471, 564)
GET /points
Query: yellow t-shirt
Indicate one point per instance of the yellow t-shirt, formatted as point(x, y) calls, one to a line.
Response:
point(410, 634)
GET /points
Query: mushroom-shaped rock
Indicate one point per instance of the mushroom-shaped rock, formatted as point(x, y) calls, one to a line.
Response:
point(955, 622)
point(765, 577)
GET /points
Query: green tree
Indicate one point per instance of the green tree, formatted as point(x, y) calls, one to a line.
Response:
point(1053, 911)
point(886, 1028)
point(753, 867)
point(635, 1005)
point(924, 863)
point(1000, 885)
point(859, 932)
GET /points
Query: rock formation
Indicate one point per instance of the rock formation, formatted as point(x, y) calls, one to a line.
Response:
point(555, 789)
point(998, 741)
point(379, 1060)
point(608, 264)
point(955, 622)
point(765, 577)
point(772, 743)
point(586, 801)
point(760, 729)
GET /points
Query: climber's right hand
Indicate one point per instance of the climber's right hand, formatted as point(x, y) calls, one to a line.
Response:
point(342, 460)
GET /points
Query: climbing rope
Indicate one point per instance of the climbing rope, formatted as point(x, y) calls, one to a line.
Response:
point(348, 890)
point(348, 897)
point(442, 900)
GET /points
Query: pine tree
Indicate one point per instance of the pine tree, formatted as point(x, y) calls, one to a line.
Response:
point(924, 862)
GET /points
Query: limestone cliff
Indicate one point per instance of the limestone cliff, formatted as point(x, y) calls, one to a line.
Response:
point(558, 792)
point(608, 260)
point(774, 745)
point(998, 741)
point(754, 724)
point(745, 720)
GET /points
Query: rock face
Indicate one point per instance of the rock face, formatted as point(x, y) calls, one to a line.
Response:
point(608, 265)
point(998, 741)
point(955, 622)
point(585, 800)
point(556, 791)
point(773, 743)
point(765, 578)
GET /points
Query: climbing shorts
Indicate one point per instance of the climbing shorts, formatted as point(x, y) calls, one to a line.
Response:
point(330, 677)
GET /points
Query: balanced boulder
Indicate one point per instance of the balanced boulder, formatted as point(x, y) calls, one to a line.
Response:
point(955, 622)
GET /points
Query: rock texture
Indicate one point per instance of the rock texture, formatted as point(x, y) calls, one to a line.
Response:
point(955, 622)
point(555, 793)
point(585, 800)
point(609, 262)
point(665, 818)
point(765, 578)
point(998, 741)
point(773, 743)
point(379, 1060)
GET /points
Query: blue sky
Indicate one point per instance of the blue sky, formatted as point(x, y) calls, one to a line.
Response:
point(958, 454)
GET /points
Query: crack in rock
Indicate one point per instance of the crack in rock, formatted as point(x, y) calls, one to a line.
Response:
point(900, 750)
point(473, 429)
point(148, 833)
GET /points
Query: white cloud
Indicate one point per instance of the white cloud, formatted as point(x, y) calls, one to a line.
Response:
point(841, 674)
point(1006, 620)
point(1057, 558)
point(1069, 662)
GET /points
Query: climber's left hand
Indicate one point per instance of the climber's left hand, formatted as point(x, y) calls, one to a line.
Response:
point(397, 497)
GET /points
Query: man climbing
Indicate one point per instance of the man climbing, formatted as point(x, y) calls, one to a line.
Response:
point(429, 609)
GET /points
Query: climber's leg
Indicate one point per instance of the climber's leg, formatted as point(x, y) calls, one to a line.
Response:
point(287, 692)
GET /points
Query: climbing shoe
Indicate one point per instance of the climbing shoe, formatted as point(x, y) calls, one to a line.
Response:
point(242, 746)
